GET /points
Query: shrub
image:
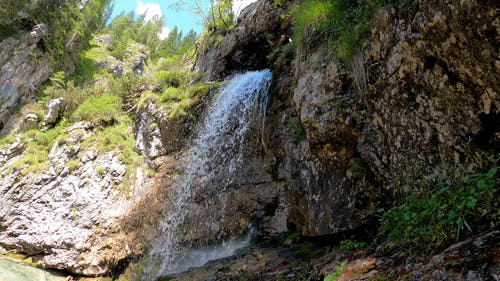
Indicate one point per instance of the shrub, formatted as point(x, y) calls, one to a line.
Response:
point(167, 79)
point(72, 96)
point(173, 95)
point(102, 110)
point(428, 221)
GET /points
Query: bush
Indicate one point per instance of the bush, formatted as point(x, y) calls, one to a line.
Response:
point(430, 220)
point(102, 110)
point(174, 95)
point(72, 96)
point(167, 79)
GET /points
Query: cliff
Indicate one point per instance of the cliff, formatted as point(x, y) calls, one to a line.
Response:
point(341, 145)
point(415, 103)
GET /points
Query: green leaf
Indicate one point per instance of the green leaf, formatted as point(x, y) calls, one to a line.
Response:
point(471, 202)
point(492, 172)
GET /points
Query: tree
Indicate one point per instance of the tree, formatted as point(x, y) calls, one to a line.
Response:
point(215, 14)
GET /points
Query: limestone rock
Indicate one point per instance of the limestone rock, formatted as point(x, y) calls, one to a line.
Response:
point(69, 215)
point(30, 121)
point(38, 32)
point(429, 102)
point(54, 110)
point(23, 67)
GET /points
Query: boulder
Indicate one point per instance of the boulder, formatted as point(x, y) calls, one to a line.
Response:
point(54, 111)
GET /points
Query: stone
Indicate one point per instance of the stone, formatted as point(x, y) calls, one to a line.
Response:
point(38, 32)
point(54, 110)
point(30, 121)
point(21, 73)
point(67, 219)
point(260, 27)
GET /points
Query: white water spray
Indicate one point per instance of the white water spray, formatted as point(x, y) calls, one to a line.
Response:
point(220, 143)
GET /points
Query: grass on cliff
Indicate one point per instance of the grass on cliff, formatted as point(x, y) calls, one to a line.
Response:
point(426, 221)
point(340, 26)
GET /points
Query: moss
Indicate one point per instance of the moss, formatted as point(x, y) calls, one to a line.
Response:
point(338, 271)
point(19, 257)
point(296, 128)
point(7, 141)
point(72, 165)
point(307, 250)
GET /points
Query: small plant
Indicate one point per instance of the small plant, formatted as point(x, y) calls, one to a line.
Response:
point(338, 271)
point(306, 250)
point(347, 245)
point(168, 79)
point(296, 128)
point(429, 220)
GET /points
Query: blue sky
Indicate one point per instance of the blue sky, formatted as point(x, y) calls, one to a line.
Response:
point(184, 20)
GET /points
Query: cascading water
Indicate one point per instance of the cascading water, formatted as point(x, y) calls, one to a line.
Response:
point(217, 155)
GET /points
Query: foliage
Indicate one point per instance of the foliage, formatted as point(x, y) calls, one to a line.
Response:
point(307, 250)
point(70, 23)
point(347, 245)
point(338, 271)
point(339, 25)
point(101, 110)
point(168, 78)
point(72, 96)
point(35, 157)
point(427, 221)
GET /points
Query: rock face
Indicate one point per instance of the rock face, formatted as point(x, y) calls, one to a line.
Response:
point(259, 29)
point(426, 99)
point(428, 93)
point(21, 58)
point(67, 216)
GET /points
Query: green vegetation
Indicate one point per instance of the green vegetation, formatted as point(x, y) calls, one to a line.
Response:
point(347, 245)
point(101, 110)
point(427, 220)
point(92, 93)
point(297, 130)
point(307, 250)
point(338, 271)
point(70, 23)
point(340, 26)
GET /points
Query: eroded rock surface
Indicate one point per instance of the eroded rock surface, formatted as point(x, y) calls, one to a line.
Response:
point(425, 101)
point(68, 215)
point(20, 58)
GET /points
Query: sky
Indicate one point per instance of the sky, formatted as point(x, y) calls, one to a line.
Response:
point(184, 20)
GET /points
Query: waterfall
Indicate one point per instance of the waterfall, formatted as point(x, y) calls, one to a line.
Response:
point(216, 157)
